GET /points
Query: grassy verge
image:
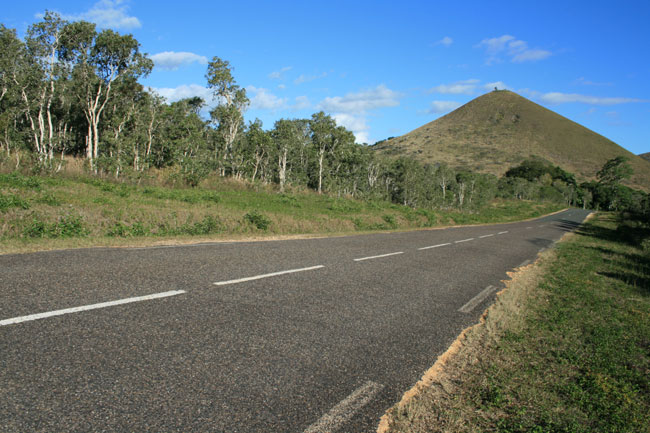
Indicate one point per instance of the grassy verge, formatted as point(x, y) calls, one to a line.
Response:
point(566, 347)
point(42, 212)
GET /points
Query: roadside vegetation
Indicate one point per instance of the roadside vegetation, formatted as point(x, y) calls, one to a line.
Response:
point(43, 212)
point(566, 348)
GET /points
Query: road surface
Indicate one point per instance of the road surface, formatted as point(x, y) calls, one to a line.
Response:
point(318, 335)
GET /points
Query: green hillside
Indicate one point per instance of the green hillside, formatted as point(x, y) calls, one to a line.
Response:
point(500, 129)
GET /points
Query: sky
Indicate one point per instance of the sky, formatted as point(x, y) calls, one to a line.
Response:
point(384, 68)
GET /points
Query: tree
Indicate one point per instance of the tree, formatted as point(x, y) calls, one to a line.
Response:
point(322, 135)
point(228, 115)
point(259, 145)
point(614, 171)
point(285, 135)
point(35, 73)
point(100, 60)
point(12, 60)
point(609, 191)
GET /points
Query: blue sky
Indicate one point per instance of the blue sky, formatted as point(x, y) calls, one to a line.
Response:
point(384, 68)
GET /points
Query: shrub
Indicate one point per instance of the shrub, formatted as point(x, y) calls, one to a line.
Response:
point(258, 220)
point(11, 200)
point(17, 180)
point(66, 227)
point(390, 220)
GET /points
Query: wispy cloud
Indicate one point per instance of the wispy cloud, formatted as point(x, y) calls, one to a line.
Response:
point(439, 107)
point(307, 78)
point(379, 97)
point(499, 85)
point(301, 103)
point(352, 109)
point(556, 98)
point(278, 75)
point(508, 46)
point(466, 87)
point(583, 81)
point(108, 14)
point(172, 60)
point(446, 41)
point(173, 94)
point(263, 99)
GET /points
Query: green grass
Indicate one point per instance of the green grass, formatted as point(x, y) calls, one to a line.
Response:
point(578, 361)
point(42, 212)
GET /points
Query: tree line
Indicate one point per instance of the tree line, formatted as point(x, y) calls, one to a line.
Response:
point(69, 90)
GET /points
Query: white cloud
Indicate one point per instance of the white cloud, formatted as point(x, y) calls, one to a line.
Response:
point(301, 103)
point(355, 123)
point(277, 75)
point(509, 46)
point(262, 99)
point(498, 84)
point(173, 94)
point(531, 56)
point(352, 109)
point(108, 14)
point(446, 41)
point(379, 97)
point(466, 87)
point(555, 98)
point(494, 46)
point(440, 107)
point(586, 82)
point(307, 78)
point(172, 60)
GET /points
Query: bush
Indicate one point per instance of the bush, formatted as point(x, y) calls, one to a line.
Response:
point(10, 200)
point(258, 220)
point(390, 220)
point(66, 227)
point(122, 230)
point(17, 180)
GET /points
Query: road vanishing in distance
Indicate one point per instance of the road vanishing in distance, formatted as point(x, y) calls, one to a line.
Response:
point(313, 335)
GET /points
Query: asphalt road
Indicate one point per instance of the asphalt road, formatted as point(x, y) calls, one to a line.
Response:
point(328, 346)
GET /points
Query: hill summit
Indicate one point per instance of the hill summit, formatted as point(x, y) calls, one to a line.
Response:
point(498, 130)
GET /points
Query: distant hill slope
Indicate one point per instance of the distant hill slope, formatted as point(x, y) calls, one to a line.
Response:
point(499, 129)
point(645, 156)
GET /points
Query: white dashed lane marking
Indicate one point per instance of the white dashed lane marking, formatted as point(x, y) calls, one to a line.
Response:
point(379, 256)
point(342, 412)
point(89, 307)
point(486, 236)
point(435, 246)
point(272, 274)
point(464, 240)
point(476, 300)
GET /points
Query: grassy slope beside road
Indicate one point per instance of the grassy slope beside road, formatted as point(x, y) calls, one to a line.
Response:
point(566, 347)
point(40, 212)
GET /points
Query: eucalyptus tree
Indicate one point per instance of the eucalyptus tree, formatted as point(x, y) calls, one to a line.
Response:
point(407, 175)
point(100, 60)
point(345, 163)
point(228, 114)
point(182, 140)
point(12, 60)
point(35, 71)
point(285, 136)
point(260, 149)
point(147, 125)
point(322, 134)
